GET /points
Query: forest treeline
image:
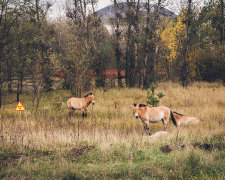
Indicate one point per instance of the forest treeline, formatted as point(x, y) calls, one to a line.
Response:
point(149, 46)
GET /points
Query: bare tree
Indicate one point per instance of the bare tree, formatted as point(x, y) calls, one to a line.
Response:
point(152, 42)
point(8, 16)
point(148, 46)
point(185, 55)
point(117, 41)
point(157, 39)
point(132, 46)
point(82, 50)
point(39, 48)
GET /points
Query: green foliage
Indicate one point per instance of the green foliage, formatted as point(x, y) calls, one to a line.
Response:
point(119, 162)
point(151, 98)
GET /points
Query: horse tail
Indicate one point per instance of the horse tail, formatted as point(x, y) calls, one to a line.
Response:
point(173, 119)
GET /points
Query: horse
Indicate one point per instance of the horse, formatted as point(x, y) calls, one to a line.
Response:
point(181, 119)
point(153, 115)
point(80, 104)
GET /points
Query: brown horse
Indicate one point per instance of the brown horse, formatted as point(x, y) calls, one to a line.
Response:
point(181, 119)
point(153, 115)
point(80, 104)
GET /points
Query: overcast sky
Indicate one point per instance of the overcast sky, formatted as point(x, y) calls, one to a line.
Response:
point(58, 8)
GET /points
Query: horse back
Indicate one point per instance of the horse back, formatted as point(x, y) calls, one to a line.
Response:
point(188, 120)
point(163, 108)
point(75, 103)
point(159, 113)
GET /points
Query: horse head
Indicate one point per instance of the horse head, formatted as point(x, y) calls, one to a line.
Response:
point(135, 110)
point(90, 97)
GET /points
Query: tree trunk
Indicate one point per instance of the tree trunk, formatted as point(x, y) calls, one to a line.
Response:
point(9, 71)
point(136, 77)
point(146, 79)
point(0, 93)
point(21, 81)
point(117, 43)
point(1, 76)
point(18, 90)
point(38, 94)
point(128, 58)
point(185, 69)
point(222, 31)
point(157, 40)
point(9, 79)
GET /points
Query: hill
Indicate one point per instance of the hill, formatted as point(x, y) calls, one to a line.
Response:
point(109, 11)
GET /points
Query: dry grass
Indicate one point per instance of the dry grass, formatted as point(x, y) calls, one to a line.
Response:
point(111, 123)
point(112, 120)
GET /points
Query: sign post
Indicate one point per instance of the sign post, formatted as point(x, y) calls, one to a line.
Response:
point(19, 108)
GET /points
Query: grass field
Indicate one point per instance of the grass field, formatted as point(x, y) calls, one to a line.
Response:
point(110, 143)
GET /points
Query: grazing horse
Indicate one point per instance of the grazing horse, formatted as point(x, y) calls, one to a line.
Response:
point(181, 119)
point(153, 115)
point(80, 104)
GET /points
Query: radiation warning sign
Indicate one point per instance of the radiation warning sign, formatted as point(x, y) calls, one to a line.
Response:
point(20, 107)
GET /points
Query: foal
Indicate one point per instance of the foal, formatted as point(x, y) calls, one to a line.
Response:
point(153, 115)
point(181, 119)
point(80, 104)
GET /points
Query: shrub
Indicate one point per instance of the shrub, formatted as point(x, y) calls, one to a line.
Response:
point(151, 99)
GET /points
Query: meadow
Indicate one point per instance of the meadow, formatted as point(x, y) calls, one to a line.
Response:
point(110, 143)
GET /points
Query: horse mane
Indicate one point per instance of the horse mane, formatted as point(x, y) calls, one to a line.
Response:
point(178, 113)
point(88, 94)
point(140, 105)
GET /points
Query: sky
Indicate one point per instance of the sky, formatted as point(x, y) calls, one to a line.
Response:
point(58, 7)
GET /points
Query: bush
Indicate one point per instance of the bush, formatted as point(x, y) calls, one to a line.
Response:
point(151, 99)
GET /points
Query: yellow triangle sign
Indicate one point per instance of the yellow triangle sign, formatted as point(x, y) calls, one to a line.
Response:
point(20, 107)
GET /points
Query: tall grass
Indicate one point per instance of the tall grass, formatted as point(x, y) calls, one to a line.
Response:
point(44, 140)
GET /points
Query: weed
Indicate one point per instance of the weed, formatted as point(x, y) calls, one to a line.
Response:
point(110, 143)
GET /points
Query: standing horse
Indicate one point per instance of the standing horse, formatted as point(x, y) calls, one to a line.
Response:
point(80, 104)
point(153, 115)
point(181, 119)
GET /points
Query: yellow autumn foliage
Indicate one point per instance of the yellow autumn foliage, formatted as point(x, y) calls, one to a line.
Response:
point(172, 36)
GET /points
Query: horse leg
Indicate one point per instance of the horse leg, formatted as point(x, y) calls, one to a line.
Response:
point(166, 120)
point(165, 124)
point(146, 128)
point(70, 112)
point(83, 115)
